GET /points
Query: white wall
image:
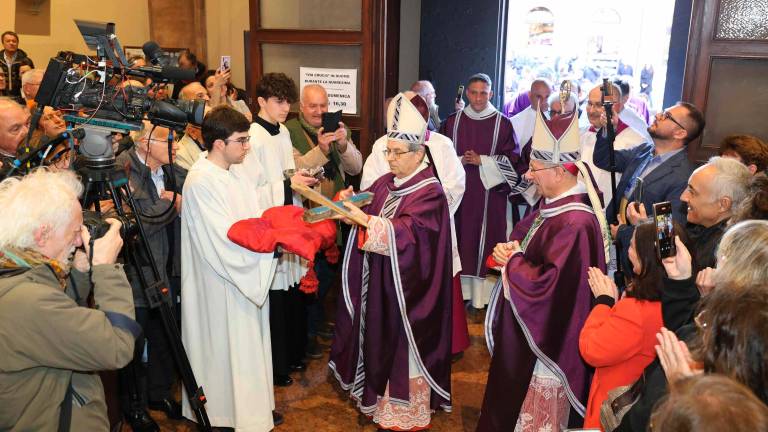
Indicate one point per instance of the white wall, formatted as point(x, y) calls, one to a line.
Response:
point(226, 20)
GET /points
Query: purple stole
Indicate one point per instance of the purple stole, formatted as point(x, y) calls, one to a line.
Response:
point(481, 220)
point(539, 306)
point(391, 305)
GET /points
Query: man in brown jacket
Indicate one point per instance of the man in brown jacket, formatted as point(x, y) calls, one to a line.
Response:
point(51, 345)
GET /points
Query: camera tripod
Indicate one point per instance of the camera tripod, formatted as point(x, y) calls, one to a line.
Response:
point(110, 183)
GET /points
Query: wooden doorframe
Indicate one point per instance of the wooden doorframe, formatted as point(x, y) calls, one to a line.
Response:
point(378, 39)
point(703, 48)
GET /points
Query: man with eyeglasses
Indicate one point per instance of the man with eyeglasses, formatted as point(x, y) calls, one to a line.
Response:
point(483, 138)
point(450, 171)
point(537, 379)
point(626, 138)
point(225, 319)
point(661, 167)
point(149, 166)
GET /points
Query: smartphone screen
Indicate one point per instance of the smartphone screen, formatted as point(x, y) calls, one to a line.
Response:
point(226, 63)
point(665, 231)
point(459, 93)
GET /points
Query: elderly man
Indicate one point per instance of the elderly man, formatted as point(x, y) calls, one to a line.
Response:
point(626, 138)
point(389, 350)
point(30, 84)
point(191, 144)
point(337, 154)
point(661, 165)
point(148, 165)
point(537, 379)
point(313, 147)
point(483, 138)
point(14, 125)
point(747, 149)
point(10, 62)
point(57, 343)
point(450, 171)
point(425, 89)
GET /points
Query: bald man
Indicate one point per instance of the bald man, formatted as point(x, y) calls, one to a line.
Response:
point(313, 147)
point(426, 90)
point(14, 125)
point(191, 144)
point(336, 153)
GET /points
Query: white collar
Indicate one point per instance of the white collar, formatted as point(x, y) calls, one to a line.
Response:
point(485, 113)
point(157, 172)
point(402, 181)
point(578, 188)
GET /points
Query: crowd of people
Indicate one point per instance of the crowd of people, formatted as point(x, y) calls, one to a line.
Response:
point(589, 325)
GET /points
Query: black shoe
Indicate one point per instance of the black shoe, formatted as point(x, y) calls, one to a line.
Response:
point(282, 380)
point(140, 421)
point(170, 407)
point(298, 367)
point(277, 418)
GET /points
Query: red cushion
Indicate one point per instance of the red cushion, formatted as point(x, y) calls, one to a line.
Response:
point(284, 227)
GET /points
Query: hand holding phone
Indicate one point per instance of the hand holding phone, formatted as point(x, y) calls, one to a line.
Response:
point(665, 230)
point(331, 121)
point(225, 63)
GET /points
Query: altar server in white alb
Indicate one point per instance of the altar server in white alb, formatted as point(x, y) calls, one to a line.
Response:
point(225, 306)
point(268, 163)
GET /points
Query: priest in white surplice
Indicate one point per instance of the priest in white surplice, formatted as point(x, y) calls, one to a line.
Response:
point(225, 307)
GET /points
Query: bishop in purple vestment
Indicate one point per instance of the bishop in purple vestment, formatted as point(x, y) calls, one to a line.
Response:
point(392, 348)
point(537, 379)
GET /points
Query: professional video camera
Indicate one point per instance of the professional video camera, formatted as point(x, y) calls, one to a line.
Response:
point(93, 96)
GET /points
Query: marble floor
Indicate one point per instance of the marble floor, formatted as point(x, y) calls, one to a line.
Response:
point(313, 403)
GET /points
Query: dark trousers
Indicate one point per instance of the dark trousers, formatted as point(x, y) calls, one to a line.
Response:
point(141, 382)
point(288, 328)
point(327, 276)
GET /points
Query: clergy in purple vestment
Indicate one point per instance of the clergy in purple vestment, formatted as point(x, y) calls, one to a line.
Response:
point(392, 348)
point(537, 379)
point(484, 139)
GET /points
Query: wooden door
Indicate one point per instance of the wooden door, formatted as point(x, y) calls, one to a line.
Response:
point(348, 34)
point(726, 69)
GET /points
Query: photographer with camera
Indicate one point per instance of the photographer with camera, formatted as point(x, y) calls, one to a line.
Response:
point(148, 165)
point(51, 343)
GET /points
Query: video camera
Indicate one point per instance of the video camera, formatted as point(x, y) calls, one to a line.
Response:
point(93, 95)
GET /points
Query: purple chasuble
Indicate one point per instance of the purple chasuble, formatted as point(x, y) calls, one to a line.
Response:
point(481, 219)
point(392, 304)
point(549, 300)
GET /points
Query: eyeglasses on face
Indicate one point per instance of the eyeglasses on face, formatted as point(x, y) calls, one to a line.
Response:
point(395, 154)
point(242, 140)
point(533, 170)
point(667, 116)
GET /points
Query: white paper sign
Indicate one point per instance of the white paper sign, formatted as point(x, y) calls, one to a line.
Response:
point(341, 85)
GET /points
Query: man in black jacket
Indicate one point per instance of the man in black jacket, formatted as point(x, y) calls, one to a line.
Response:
point(149, 166)
point(10, 62)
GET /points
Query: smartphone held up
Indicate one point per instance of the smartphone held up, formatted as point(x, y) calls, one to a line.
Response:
point(665, 230)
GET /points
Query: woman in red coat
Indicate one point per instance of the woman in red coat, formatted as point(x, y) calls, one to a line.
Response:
point(618, 338)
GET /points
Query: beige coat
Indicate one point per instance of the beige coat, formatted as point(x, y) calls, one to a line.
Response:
point(48, 340)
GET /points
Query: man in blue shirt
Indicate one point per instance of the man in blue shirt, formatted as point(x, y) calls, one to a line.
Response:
point(661, 168)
